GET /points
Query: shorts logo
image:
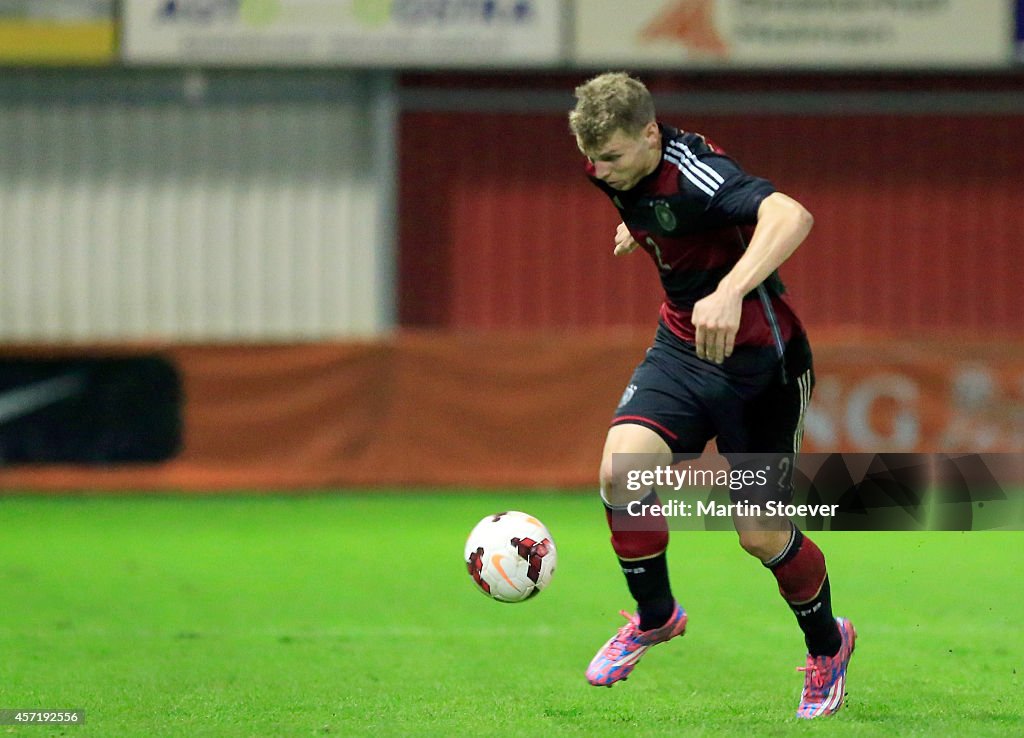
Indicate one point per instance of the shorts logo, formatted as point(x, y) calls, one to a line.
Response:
point(627, 395)
point(666, 218)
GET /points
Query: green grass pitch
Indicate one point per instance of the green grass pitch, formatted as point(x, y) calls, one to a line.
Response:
point(353, 615)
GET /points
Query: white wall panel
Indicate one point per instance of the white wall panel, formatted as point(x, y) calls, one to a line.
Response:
point(224, 219)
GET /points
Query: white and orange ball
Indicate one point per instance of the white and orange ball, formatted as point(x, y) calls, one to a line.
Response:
point(510, 556)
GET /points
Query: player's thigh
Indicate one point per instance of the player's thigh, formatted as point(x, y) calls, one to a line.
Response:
point(628, 448)
point(775, 419)
point(668, 396)
point(775, 427)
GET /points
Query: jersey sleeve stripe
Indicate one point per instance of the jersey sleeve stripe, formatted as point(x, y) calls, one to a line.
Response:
point(703, 165)
point(699, 179)
point(707, 173)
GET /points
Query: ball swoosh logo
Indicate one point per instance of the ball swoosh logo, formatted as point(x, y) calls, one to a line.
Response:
point(496, 563)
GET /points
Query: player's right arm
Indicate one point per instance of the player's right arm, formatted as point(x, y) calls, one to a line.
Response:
point(782, 226)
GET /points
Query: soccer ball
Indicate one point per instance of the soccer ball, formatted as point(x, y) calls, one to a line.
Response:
point(510, 556)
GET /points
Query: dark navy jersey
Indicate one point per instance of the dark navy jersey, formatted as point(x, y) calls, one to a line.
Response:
point(694, 215)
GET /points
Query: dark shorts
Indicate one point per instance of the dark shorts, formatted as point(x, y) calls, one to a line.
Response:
point(751, 404)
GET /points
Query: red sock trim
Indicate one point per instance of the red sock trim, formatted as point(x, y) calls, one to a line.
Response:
point(637, 536)
point(801, 577)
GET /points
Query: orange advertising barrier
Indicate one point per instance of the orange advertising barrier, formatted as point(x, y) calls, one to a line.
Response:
point(505, 409)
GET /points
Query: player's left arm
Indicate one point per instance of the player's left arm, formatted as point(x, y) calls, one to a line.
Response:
point(782, 225)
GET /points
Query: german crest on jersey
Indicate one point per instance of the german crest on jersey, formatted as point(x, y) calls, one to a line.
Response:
point(666, 218)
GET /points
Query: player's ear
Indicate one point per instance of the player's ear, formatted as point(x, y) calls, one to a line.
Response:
point(651, 133)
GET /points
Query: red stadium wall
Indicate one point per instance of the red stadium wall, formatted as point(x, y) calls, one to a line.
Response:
point(909, 279)
point(510, 409)
point(918, 221)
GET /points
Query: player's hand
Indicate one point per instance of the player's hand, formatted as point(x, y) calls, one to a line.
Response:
point(624, 241)
point(716, 319)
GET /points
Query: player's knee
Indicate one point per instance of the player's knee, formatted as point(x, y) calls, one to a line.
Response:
point(610, 483)
point(630, 450)
point(761, 544)
point(618, 483)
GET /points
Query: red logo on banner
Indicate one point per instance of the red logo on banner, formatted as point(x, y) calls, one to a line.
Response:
point(690, 23)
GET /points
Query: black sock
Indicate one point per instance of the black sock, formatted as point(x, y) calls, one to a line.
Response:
point(799, 568)
point(648, 583)
point(819, 626)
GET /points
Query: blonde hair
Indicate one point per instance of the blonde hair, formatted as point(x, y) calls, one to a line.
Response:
point(607, 103)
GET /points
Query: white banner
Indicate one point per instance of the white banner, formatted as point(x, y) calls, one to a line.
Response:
point(394, 33)
point(819, 34)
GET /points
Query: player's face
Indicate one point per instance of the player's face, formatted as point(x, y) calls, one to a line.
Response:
point(624, 160)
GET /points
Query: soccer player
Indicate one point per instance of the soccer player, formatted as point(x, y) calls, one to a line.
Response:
point(730, 361)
